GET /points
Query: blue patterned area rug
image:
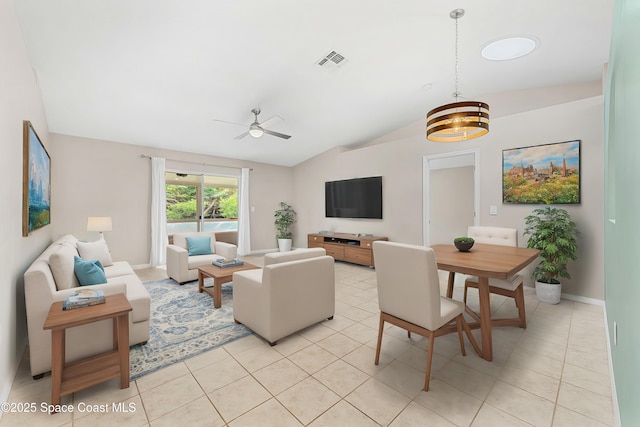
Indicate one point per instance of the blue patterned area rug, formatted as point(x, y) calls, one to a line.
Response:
point(184, 323)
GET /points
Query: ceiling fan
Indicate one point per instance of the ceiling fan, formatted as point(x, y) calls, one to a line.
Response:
point(257, 129)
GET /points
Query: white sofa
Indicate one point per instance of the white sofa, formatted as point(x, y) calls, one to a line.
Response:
point(184, 268)
point(51, 278)
point(292, 291)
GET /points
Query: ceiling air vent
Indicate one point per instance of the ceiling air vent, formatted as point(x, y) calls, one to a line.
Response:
point(332, 60)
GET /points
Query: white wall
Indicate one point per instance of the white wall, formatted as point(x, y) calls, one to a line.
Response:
point(19, 100)
point(400, 164)
point(102, 178)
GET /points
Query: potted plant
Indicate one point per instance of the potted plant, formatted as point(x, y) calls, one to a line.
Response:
point(553, 233)
point(284, 218)
point(463, 243)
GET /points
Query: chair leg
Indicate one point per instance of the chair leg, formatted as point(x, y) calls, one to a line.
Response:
point(429, 357)
point(380, 330)
point(460, 337)
point(519, 297)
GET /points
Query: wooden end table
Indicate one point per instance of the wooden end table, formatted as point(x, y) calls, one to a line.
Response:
point(67, 378)
point(220, 275)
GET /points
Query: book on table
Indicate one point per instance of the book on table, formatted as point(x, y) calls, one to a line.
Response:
point(83, 298)
point(227, 262)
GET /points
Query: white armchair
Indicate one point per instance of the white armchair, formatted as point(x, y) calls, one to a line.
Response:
point(183, 267)
point(294, 290)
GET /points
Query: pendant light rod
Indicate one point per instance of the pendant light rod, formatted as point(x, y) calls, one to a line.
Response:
point(456, 14)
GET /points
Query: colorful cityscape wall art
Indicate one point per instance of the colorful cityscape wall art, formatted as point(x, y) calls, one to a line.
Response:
point(542, 174)
point(36, 182)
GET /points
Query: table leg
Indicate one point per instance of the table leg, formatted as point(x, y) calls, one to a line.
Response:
point(57, 364)
point(452, 277)
point(485, 318)
point(200, 281)
point(217, 292)
point(123, 348)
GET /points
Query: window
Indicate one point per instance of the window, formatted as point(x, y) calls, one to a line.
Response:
point(198, 202)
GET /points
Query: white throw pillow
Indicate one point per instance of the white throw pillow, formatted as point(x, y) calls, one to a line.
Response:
point(61, 265)
point(96, 250)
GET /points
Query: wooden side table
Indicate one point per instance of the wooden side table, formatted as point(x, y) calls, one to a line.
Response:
point(67, 378)
point(220, 276)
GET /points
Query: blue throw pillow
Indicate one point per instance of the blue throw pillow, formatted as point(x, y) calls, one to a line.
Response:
point(89, 272)
point(199, 245)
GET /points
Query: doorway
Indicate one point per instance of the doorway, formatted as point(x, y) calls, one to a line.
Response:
point(450, 195)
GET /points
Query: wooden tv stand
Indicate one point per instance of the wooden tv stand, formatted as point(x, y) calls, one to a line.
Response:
point(354, 248)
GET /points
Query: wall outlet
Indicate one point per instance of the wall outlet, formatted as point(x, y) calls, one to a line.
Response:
point(493, 210)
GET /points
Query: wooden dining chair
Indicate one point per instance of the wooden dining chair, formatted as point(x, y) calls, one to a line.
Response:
point(409, 297)
point(512, 287)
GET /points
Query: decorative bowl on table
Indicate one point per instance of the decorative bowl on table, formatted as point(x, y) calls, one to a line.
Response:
point(463, 243)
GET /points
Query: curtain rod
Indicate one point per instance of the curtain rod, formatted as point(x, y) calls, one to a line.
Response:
point(144, 156)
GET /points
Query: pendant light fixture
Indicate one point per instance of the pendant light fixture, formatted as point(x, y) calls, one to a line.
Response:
point(460, 120)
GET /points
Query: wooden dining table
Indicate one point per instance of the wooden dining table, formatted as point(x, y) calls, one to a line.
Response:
point(485, 262)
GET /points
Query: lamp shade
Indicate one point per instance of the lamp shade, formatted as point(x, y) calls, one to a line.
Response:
point(459, 121)
point(99, 223)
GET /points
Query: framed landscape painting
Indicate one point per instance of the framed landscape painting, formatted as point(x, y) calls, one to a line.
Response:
point(542, 174)
point(36, 181)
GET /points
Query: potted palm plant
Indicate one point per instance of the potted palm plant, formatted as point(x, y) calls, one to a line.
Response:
point(554, 234)
point(284, 218)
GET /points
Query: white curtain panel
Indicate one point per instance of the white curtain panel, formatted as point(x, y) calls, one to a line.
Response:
point(159, 239)
point(244, 233)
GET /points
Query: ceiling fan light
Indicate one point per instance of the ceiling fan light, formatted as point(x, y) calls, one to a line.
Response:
point(255, 131)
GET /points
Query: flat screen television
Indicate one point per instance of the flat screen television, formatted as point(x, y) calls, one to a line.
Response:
point(354, 198)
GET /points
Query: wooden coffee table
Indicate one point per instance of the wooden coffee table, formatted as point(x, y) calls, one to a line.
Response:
point(220, 276)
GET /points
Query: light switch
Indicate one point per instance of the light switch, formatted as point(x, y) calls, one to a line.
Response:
point(493, 210)
point(253, 208)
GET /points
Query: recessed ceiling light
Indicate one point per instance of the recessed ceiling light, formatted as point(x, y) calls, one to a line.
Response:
point(509, 48)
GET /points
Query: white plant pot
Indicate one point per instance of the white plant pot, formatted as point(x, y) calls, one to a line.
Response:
point(548, 292)
point(284, 245)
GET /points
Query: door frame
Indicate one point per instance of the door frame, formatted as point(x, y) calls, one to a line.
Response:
point(452, 157)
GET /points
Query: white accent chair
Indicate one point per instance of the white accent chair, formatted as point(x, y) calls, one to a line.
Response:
point(184, 268)
point(292, 291)
point(409, 297)
point(511, 287)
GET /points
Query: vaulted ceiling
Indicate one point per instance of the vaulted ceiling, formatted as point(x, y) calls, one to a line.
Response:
point(170, 73)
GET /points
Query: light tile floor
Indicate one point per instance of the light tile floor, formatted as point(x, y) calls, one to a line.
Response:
point(554, 373)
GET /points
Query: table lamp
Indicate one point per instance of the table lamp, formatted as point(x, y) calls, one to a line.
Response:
point(99, 224)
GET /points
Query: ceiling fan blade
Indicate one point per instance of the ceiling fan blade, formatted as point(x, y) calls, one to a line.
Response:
point(271, 122)
point(242, 135)
point(230, 123)
point(278, 134)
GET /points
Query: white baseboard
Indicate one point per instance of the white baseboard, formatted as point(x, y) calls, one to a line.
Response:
point(585, 300)
point(141, 266)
